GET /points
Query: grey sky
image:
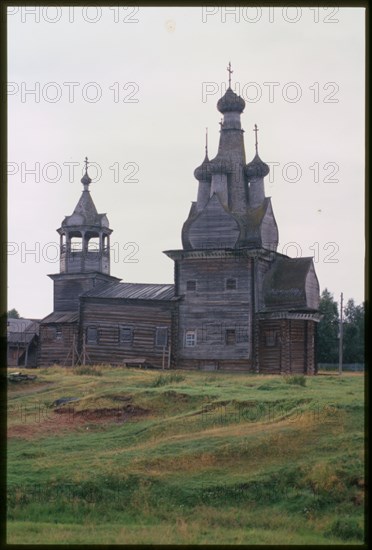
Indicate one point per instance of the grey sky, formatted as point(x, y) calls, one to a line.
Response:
point(158, 74)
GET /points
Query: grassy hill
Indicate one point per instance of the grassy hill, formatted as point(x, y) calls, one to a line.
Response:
point(185, 458)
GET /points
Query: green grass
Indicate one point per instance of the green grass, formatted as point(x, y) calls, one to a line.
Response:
point(185, 458)
point(300, 380)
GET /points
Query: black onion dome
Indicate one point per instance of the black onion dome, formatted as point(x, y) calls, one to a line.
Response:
point(256, 168)
point(220, 165)
point(203, 172)
point(86, 179)
point(230, 102)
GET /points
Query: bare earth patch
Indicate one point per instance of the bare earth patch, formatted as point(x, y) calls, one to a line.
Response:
point(63, 419)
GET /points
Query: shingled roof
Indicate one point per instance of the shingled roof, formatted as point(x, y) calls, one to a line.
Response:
point(133, 291)
point(61, 317)
point(251, 225)
point(284, 284)
point(85, 213)
point(22, 330)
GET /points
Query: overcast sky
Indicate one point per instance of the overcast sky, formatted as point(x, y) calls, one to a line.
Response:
point(134, 90)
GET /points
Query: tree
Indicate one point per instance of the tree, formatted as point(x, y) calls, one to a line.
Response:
point(13, 314)
point(327, 334)
point(353, 328)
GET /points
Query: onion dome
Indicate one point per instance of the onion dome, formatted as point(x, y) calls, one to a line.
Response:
point(256, 168)
point(203, 172)
point(85, 180)
point(220, 165)
point(230, 102)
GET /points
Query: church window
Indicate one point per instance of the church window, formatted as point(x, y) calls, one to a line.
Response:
point(191, 285)
point(126, 335)
point(190, 338)
point(230, 337)
point(92, 335)
point(58, 333)
point(76, 244)
point(230, 284)
point(93, 244)
point(270, 338)
point(242, 333)
point(161, 337)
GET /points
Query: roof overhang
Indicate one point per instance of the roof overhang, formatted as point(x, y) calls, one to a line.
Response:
point(300, 315)
point(203, 253)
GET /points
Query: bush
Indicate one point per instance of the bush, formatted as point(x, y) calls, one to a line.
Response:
point(87, 370)
point(346, 529)
point(297, 379)
point(168, 379)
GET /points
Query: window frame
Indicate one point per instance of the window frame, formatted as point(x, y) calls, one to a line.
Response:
point(157, 332)
point(87, 339)
point(230, 281)
point(187, 340)
point(231, 331)
point(126, 342)
point(271, 338)
point(191, 282)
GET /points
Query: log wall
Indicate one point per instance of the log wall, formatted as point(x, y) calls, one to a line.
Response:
point(294, 349)
point(53, 349)
point(143, 317)
point(211, 310)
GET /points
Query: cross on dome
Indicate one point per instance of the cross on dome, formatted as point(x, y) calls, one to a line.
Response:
point(85, 180)
point(230, 71)
point(256, 142)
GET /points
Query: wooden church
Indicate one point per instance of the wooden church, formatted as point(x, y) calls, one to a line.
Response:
point(236, 303)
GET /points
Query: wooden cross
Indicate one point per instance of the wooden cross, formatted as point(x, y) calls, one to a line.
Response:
point(206, 141)
point(255, 131)
point(230, 71)
point(86, 164)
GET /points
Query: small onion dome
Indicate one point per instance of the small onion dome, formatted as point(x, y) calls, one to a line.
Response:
point(220, 165)
point(257, 168)
point(85, 180)
point(203, 172)
point(230, 102)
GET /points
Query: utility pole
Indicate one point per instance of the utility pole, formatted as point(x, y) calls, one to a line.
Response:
point(341, 334)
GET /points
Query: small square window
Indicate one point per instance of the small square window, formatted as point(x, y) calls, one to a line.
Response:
point(231, 284)
point(191, 285)
point(230, 337)
point(161, 338)
point(242, 334)
point(190, 338)
point(271, 337)
point(92, 335)
point(126, 335)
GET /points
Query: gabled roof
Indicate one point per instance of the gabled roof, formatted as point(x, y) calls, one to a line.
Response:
point(18, 325)
point(61, 317)
point(22, 330)
point(133, 291)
